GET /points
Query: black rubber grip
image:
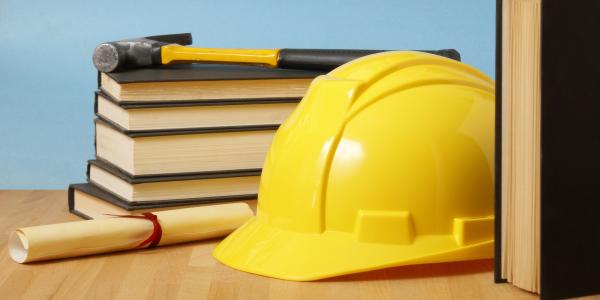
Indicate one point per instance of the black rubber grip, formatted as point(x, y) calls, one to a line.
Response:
point(329, 59)
point(177, 38)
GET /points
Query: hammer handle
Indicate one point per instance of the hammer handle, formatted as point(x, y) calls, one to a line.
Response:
point(176, 54)
point(329, 59)
point(306, 59)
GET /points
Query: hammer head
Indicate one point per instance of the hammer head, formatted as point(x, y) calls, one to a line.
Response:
point(138, 52)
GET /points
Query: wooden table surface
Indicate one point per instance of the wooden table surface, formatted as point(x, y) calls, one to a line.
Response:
point(189, 271)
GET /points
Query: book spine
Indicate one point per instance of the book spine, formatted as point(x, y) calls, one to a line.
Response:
point(71, 202)
point(95, 103)
point(498, 151)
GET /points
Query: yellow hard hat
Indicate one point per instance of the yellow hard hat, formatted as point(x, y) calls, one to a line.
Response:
point(387, 161)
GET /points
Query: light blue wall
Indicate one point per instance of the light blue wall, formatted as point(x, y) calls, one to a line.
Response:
point(47, 78)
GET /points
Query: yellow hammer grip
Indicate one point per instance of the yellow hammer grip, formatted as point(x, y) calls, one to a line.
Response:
point(177, 53)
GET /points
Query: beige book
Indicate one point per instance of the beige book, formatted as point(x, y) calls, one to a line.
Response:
point(205, 82)
point(150, 117)
point(91, 202)
point(173, 188)
point(190, 152)
point(205, 90)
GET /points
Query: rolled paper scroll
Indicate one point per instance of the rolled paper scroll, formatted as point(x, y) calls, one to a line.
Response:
point(117, 234)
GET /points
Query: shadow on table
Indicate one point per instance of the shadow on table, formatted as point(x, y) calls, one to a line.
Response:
point(420, 271)
point(142, 251)
point(403, 272)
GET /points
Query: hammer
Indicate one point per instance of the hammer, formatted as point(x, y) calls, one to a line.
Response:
point(170, 49)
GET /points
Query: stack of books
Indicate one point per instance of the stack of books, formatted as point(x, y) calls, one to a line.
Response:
point(183, 135)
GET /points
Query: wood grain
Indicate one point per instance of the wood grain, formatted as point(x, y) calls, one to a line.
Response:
point(188, 271)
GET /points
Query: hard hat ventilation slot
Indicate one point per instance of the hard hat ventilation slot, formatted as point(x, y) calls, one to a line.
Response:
point(473, 230)
point(387, 227)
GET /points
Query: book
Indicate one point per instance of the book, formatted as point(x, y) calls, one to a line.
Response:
point(547, 145)
point(183, 151)
point(170, 189)
point(90, 202)
point(208, 114)
point(204, 82)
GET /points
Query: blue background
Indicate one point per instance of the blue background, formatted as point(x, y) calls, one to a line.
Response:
point(47, 78)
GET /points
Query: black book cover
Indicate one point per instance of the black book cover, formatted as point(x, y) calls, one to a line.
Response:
point(498, 151)
point(100, 193)
point(570, 208)
point(91, 189)
point(136, 179)
point(186, 103)
point(193, 72)
point(162, 132)
point(570, 147)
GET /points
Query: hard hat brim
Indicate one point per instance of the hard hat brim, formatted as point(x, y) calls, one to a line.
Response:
point(265, 250)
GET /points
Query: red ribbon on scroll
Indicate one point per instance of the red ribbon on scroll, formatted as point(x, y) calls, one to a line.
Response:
point(156, 235)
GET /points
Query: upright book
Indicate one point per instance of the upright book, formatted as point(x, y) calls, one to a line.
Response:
point(548, 145)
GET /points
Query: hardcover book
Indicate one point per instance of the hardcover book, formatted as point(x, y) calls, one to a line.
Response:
point(90, 202)
point(159, 116)
point(174, 188)
point(204, 82)
point(547, 145)
point(183, 151)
